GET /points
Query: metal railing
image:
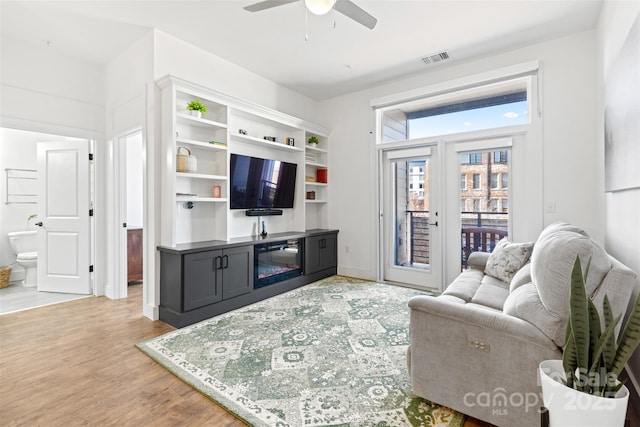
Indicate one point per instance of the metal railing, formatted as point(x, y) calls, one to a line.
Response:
point(480, 231)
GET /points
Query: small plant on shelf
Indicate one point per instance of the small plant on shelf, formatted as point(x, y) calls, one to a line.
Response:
point(196, 107)
point(313, 140)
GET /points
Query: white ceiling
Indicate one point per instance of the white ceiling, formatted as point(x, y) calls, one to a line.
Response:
point(340, 55)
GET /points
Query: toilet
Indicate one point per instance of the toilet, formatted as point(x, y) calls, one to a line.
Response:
point(25, 245)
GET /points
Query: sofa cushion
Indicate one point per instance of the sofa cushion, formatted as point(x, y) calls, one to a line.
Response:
point(473, 286)
point(522, 277)
point(551, 264)
point(507, 258)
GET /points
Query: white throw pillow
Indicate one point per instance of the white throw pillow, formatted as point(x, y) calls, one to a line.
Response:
point(507, 258)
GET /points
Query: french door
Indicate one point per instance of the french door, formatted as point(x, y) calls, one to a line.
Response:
point(410, 217)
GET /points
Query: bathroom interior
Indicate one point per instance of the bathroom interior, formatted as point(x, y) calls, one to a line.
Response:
point(18, 217)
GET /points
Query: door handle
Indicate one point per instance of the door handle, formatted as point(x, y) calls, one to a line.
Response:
point(434, 223)
point(39, 223)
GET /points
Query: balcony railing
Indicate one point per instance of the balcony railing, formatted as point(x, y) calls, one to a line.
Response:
point(481, 231)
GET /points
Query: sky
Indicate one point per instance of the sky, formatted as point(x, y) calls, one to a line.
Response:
point(470, 120)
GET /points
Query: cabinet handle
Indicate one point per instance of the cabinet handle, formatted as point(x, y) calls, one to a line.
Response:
point(218, 263)
point(226, 261)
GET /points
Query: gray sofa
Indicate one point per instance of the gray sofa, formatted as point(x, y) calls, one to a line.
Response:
point(476, 348)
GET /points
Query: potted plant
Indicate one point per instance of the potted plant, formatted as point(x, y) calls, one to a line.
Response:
point(583, 389)
point(313, 140)
point(196, 108)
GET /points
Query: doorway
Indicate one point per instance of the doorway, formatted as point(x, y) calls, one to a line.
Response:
point(129, 206)
point(410, 217)
point(19, 212)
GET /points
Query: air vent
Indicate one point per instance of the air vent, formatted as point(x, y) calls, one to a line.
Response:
point(436, 57)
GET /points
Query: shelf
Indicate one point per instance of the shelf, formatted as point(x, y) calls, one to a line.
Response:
point(314, 148)
point(200, 199)
point(201, 144)
point(201, 176)
point(316, 201)
point(195, 121)
point(254, 140)
point(316, 184)
point(318, 165)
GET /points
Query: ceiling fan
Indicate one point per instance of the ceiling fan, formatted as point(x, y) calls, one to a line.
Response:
point(320, 7)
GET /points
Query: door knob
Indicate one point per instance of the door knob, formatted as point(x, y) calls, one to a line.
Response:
point(39, 223)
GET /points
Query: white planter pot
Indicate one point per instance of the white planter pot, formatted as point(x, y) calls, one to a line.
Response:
point(196, 113)
point(571, 408)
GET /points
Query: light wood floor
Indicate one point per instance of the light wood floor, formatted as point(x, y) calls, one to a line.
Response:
point(75, 364)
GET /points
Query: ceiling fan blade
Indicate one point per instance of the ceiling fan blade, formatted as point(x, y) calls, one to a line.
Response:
point(267, 4)
point(353, 11)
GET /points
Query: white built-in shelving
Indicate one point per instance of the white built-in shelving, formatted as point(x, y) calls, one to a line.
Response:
point(195, 203)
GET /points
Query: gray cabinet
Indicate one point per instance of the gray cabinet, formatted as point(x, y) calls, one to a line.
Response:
point(204, 279)
point(321, 252)
point(237, 271)
point(211, 276)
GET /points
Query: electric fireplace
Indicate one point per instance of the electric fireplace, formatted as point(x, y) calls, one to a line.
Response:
point(277, 261)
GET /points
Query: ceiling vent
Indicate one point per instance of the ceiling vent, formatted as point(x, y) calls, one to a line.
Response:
point(436, 57)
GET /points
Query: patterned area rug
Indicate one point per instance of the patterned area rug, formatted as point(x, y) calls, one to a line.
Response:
point(332, 353)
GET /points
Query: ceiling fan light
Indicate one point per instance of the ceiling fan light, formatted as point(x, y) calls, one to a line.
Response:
point(319, 7)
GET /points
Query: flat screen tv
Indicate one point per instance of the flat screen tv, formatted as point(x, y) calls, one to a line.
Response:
point(261, 183)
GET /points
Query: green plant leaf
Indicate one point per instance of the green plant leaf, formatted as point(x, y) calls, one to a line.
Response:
point(629, 340)
point(594, 332)
point(579, 317)
point(609, 351)
point(570, 358)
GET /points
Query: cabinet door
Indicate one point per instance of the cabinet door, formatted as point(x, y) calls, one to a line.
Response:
point(237, 271)
point(329, 254)
point(202, 279)
point(321, 252)
point(313, 254)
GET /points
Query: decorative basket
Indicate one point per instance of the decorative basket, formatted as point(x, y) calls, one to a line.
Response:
point(185, 162)
point(5, 273)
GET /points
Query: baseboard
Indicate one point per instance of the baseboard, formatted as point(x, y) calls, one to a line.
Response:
point(356, 272)
point(151, 311)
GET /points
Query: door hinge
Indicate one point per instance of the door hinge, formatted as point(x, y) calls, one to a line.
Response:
point(91, 269)
point(90, 212)
point(90, 156)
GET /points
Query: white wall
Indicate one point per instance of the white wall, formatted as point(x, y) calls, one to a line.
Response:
point(181, 59)
point(42, 90)
point(134, 180)
point(572, 175)
point(622, 208)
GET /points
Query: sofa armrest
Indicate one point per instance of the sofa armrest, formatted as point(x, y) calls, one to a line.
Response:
point(478, 317)
point(478, 260)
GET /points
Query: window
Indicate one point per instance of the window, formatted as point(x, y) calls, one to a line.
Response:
point(476, 181)
point(500, 157)
point(505, 180)
point(476, 205)
point(463, 204)
point(421, 185)
point(494, 181)
point(505, 205)
point(471, 158)
point(493, 205)
point(463, 181)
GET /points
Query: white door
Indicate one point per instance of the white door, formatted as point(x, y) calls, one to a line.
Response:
point(63, 217)
point(411, 219)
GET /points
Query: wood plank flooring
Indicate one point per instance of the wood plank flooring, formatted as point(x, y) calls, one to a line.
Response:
point(75, 363)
